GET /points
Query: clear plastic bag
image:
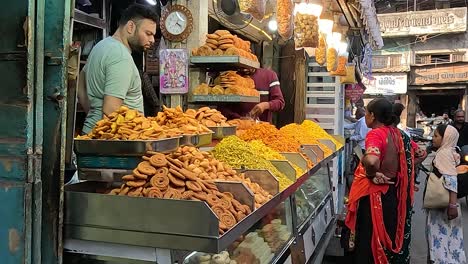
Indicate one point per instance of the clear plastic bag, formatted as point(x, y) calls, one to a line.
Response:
point(254, 7)
point(284, 16)
point(332, 59)
point(321, 51)
point(342, 60)
point(350, 77)
point(305, 30)
point(341, 67)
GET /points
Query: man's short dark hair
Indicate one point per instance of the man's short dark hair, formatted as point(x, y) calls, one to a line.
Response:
point(138, 12)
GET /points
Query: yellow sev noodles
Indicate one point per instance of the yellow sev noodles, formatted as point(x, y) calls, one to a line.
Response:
point(238, 153)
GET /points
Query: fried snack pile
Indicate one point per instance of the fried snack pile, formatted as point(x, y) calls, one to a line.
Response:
point(271, 137)
point(128, 124)
point(305, 136)
point(208, 117)
point(237, 153)
point(174, 119)
point(208, 167)
point(166, 177)
point(320, 132)
point(223, 43)
point(274, 139)
point(242, 124)
point(227, 83)
point(269, 154)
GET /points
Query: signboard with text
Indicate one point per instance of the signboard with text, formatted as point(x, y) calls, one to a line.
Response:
point(423, 22)
point(439, 73)
point(386, 84)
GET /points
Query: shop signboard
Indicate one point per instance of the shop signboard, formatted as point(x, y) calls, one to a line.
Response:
point(423, 22)
point(386, 84)
point(439, 73)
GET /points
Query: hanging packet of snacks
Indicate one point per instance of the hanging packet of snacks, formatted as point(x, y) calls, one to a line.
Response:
point(332, 58)
point(350, 77)
point(305, 26)
point(321, 51)
point(284, 15)
point(254, 7)
point(342, 60)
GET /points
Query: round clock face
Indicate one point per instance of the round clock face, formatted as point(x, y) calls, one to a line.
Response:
point(176, 23)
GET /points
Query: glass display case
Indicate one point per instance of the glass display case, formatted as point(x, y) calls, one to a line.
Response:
point(263, 243)
point(311, 194)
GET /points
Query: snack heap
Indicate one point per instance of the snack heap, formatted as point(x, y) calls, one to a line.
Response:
point(174, 119)
point(269, 154)
point(175, 176)
point(242, 124)
point(208, 117)
point(228, 83)
point(320, 132)
point(305, 136)
point(223, 43)
point(273, 138)
point(239, 154)
point(129, 124)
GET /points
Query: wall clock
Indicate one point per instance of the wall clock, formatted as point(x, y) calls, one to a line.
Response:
point(176, 23)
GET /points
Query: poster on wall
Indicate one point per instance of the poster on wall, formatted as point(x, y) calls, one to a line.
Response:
point(354, 92)
point(386, 84)
point(173, 71)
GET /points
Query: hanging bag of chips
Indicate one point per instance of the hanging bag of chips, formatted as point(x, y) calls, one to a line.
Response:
point(306, 32)
point(284, 15)
point(254, 7)
point(342, 60)
point(321, 51)
point(350, 77)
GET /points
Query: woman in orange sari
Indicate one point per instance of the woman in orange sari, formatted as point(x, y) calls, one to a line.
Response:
point(381, 197)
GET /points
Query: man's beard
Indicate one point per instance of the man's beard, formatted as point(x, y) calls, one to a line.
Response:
point(134, 43)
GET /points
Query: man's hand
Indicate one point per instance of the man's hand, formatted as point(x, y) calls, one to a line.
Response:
point(259, 109)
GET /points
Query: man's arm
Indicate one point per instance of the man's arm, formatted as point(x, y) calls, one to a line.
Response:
point(276, 98)
point(118, 81)
point(111, 104)
point(82, 92)
point(361, 131)
point(350, 126)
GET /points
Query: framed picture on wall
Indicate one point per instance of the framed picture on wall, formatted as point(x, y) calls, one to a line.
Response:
point(173, 71)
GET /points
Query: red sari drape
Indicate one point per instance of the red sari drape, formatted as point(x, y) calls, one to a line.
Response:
point(362, 186)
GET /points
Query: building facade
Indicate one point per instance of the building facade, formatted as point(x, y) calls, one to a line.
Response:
point(427, 42)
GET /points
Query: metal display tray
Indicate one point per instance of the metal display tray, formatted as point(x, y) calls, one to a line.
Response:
point(158, 223)
point(97, 147)
point(221, 132)
point(149, 222)
point(223, 62)
point(197, 140)
point(231, 98)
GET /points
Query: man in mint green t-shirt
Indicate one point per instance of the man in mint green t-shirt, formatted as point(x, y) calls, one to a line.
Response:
point(110, 77)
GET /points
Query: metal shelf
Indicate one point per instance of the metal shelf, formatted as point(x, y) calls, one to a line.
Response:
point(86, 19)
point(224, 99)
point(223, 62)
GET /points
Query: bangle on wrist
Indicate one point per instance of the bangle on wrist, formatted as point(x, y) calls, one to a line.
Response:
point(453, 205)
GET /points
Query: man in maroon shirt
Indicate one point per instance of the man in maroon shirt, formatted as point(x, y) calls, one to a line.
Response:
point(271, 98)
